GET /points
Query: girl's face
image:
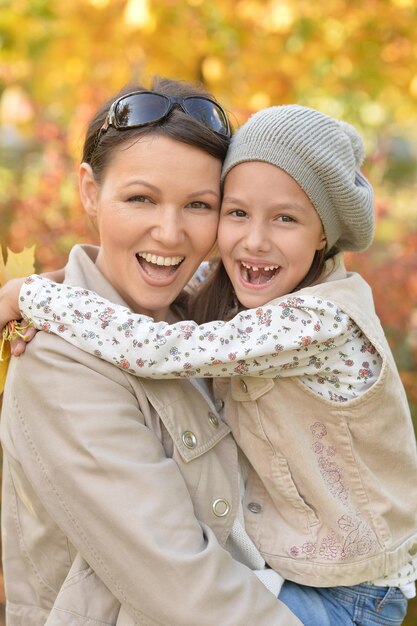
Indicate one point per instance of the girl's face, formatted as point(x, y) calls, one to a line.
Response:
point(268, 232)
point(157, 211)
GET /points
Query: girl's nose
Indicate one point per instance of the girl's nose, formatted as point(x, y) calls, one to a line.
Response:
point(257, 238)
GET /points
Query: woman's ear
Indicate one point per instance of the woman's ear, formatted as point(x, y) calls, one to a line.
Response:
point(89, 189)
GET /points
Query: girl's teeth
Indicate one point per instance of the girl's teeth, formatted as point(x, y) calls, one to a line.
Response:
point(255, 268)
point(257, 275)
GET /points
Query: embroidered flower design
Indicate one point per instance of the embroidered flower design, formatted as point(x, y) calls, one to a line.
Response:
point(309, 548)
point(328, 547)
point(318, 429)
point(318, 447)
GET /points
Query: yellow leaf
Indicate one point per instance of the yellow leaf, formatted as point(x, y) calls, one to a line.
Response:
point(2, 270)
point(4, 364)
point(18, 264)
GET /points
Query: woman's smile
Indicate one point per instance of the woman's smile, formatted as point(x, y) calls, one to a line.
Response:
point(157, 211)
point(158, 269)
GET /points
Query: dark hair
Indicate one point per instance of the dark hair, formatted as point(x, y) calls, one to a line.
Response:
point(177, 125)
point(216, 299)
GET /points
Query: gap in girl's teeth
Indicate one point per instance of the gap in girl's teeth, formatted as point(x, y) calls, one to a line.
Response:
point(260, 276)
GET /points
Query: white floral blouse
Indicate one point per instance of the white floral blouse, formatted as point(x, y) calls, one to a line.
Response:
point(306, 337)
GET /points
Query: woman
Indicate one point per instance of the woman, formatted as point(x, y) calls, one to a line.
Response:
point(119, 491)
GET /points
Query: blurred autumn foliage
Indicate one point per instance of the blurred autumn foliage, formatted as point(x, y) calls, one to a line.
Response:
point(355, 59)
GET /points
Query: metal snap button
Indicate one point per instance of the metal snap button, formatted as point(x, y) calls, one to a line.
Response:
point(254, 507)
point(189, 439)
point(243, 386)
point(213, 419)
point(413, 550)
point(221, 507)
point(219, 404)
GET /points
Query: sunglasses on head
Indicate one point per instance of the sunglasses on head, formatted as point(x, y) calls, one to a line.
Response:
point(140, 108)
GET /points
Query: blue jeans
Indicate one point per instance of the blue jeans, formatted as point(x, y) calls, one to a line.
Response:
point(362, 605)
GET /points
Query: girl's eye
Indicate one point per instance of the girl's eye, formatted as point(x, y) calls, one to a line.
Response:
point(238, 213)
point(199, 205)
point(285, 218)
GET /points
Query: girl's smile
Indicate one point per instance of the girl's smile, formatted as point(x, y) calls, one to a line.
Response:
point(269, 232)
point(257, 274)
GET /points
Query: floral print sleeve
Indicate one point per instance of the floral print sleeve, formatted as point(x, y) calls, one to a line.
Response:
point(287, 337)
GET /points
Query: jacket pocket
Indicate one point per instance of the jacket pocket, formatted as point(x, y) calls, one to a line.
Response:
point(284, 484)
point(263, 447)
point(193, 424)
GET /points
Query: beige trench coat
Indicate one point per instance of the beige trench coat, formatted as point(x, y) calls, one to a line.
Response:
point(119, 495)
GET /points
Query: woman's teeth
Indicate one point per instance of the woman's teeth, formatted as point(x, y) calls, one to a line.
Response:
point(257, 275)
point(160, 260)
point(159, 267)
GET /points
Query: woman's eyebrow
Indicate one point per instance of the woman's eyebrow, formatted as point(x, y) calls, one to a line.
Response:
point(194, 194)
point(200, 192)
point(140, 181)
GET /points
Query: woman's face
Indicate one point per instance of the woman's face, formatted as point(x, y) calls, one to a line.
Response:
point(157, 211)
point(268, 232)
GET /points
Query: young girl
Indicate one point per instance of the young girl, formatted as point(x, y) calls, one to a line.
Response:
point(314, 398)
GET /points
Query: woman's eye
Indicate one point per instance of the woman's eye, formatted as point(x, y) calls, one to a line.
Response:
point(139, 198)
point(199, 205)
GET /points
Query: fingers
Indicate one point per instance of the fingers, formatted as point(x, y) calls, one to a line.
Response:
point(18, 345)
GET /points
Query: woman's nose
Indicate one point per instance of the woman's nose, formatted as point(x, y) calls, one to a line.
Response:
point(169, 230)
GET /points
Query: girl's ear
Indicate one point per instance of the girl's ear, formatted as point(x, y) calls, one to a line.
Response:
point(322, 242)
point(89, 189)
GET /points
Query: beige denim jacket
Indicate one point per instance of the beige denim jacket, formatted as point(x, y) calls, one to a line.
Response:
point(118, 496)
point(331, 498)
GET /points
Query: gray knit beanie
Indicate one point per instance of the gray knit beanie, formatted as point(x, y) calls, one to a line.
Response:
point(324, 156)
